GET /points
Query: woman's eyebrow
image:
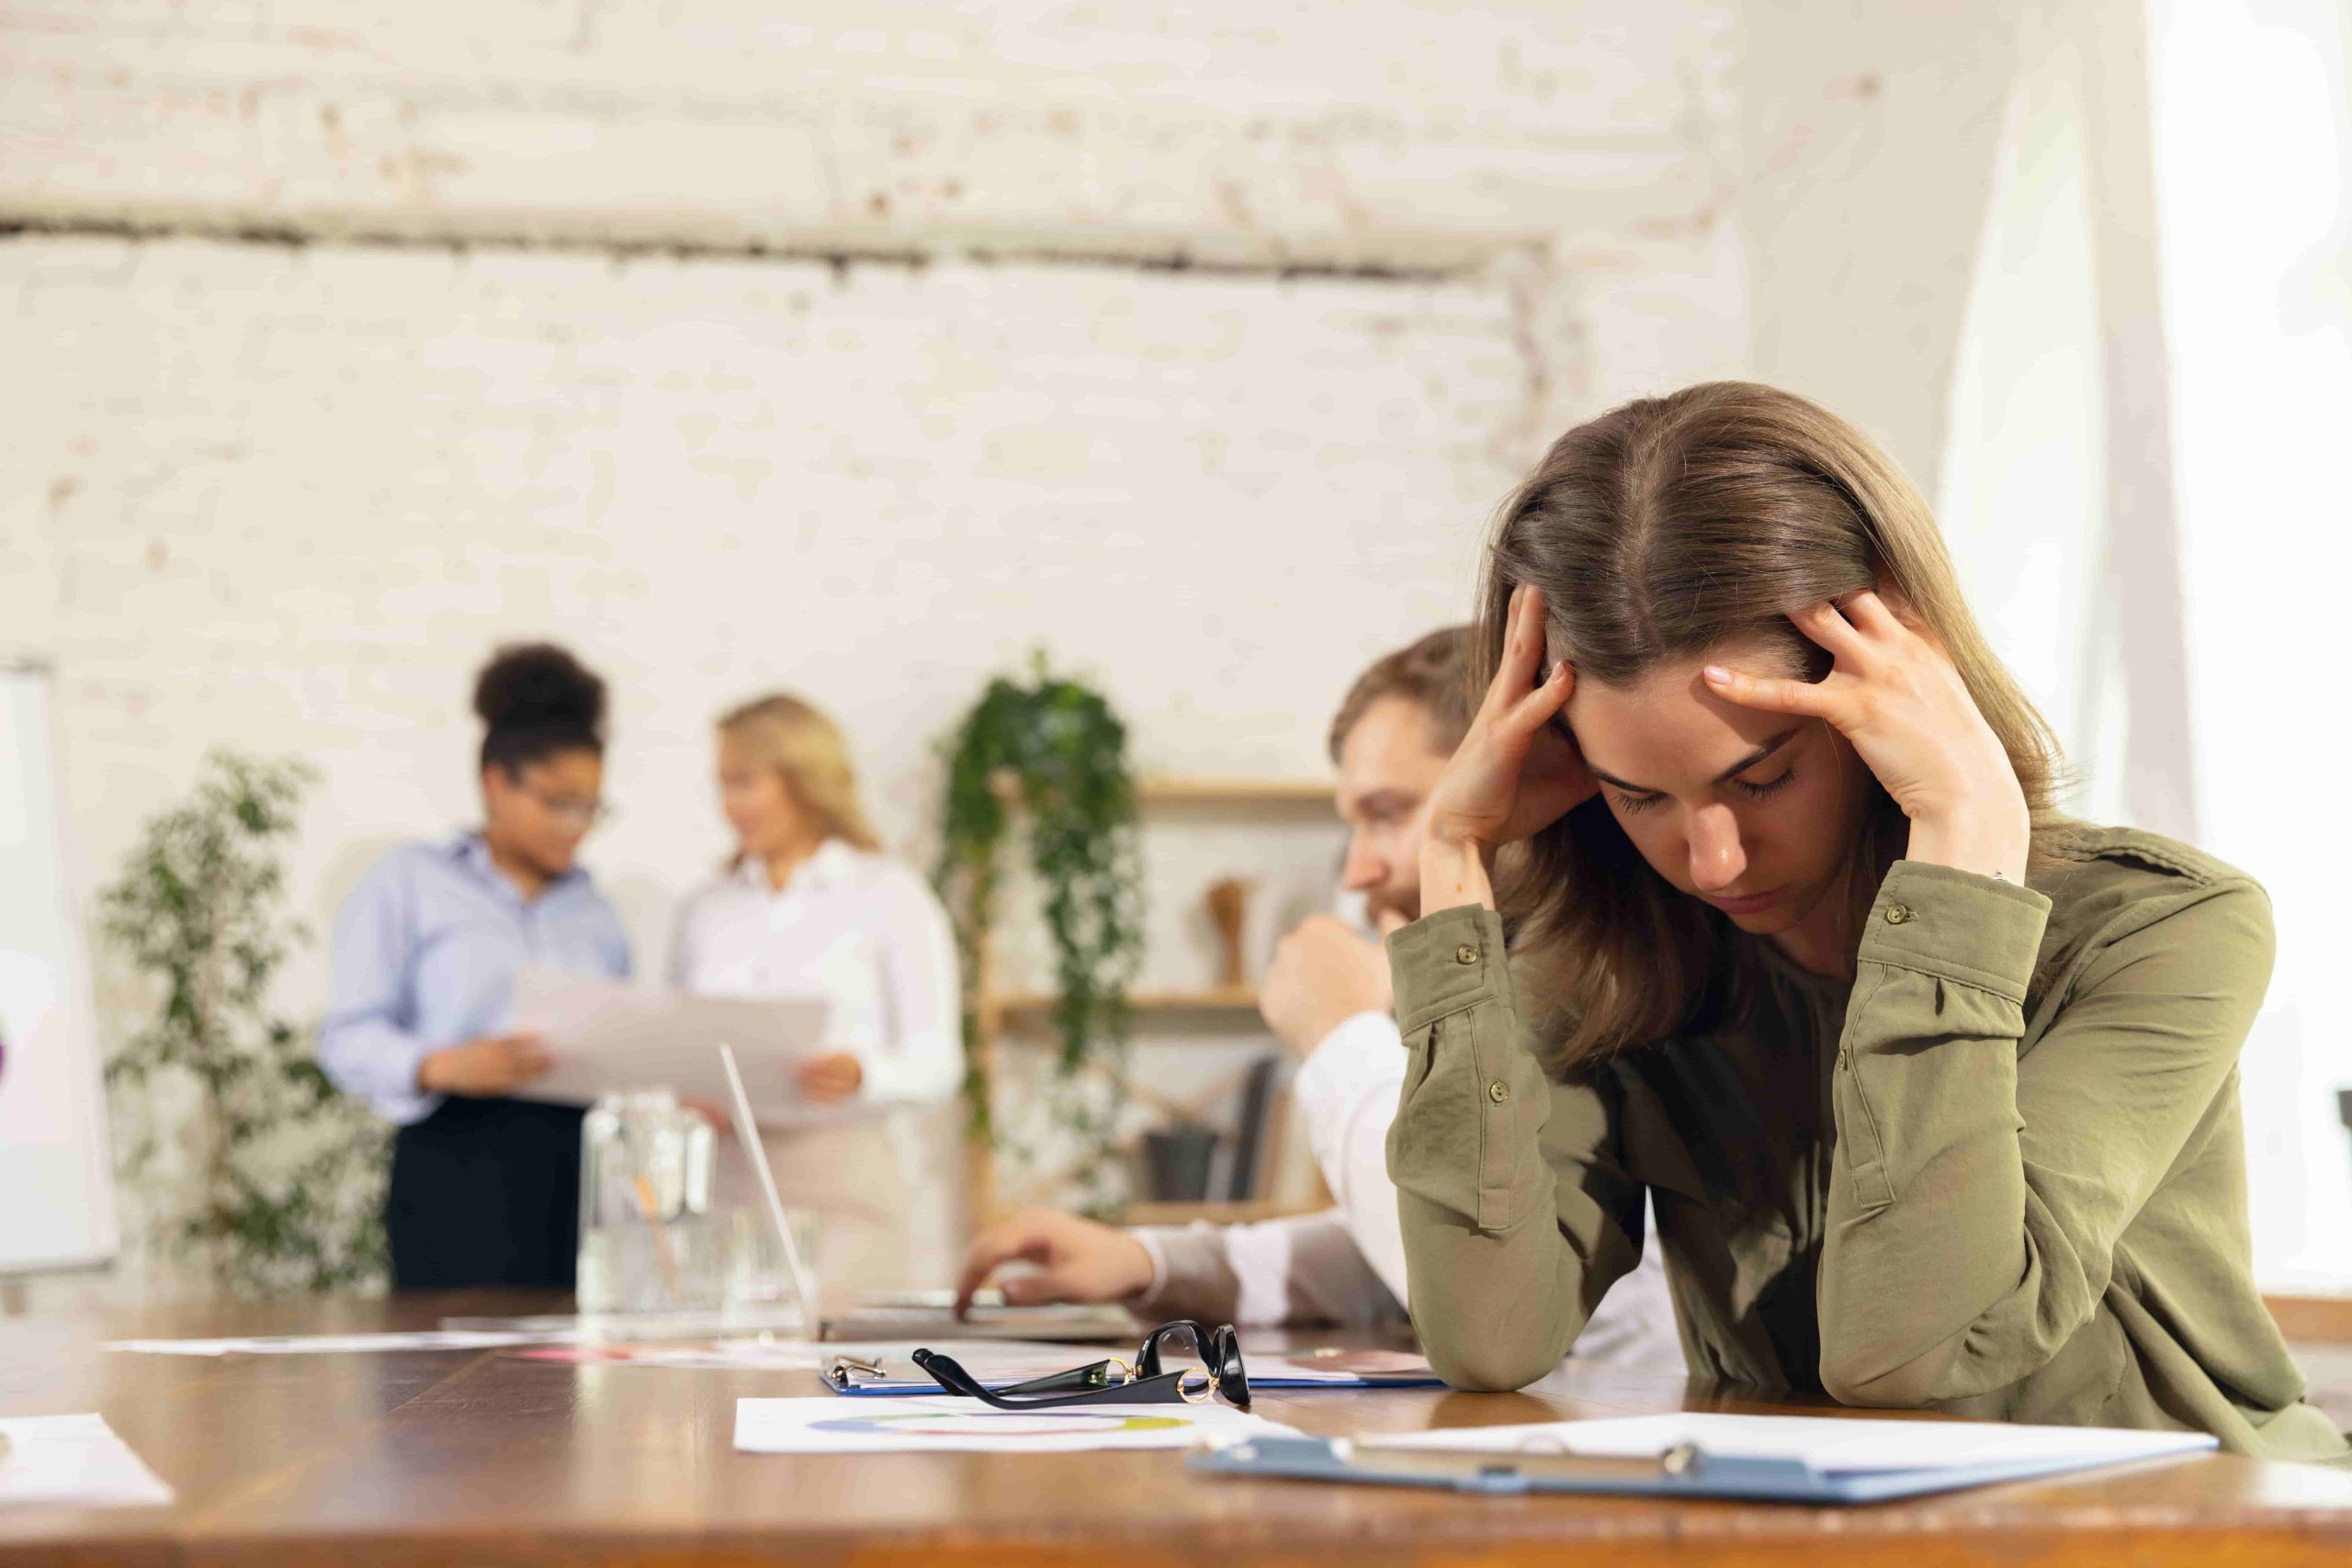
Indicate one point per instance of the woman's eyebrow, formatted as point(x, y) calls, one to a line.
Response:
point(1758, 755)
point(1766, 749)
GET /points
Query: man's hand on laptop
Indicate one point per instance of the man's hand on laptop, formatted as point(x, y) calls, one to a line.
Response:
point(1070, 1259)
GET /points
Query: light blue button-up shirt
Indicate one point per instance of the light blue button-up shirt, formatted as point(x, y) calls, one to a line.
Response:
point(426, 949)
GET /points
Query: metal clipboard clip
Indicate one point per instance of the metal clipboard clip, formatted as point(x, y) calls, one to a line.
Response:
point(1685, 1470)
point(842, 1370)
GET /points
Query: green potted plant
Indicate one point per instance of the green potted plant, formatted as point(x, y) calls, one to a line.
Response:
point(278, 1182)
point(1054, 747)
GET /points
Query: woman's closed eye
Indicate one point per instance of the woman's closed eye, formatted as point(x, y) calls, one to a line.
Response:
point(1630, 802)
point(1769, 788)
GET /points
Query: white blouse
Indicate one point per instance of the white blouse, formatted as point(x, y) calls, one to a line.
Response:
point(862, 930)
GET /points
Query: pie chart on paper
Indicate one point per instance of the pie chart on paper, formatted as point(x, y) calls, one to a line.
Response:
point(848, 1424)
point(995, 1423)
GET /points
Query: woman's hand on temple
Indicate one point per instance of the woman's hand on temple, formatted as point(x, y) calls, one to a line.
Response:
point(1898, 699)
point(1515, 773)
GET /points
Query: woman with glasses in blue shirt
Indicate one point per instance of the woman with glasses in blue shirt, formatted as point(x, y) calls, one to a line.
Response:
point(485, 1189)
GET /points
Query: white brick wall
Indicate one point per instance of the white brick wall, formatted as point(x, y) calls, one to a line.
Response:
point(285, 498)
point(288, 497)
point(1395, 132)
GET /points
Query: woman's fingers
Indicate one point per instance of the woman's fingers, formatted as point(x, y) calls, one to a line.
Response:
point(1871, 615)
point(1522, 649)
point(1772, 695)
point(1826, 626)
point(1536, 709)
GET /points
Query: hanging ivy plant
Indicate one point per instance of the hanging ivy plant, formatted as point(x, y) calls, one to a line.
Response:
point(282, 1185)
point(1056, 747)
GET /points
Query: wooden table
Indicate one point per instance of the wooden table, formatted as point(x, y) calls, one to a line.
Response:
point(445, 1457)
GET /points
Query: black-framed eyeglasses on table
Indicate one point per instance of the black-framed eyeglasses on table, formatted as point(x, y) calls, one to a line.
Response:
point(1210, 1367)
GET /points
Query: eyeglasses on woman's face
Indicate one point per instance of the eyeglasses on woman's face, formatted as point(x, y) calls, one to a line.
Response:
point(581, 811)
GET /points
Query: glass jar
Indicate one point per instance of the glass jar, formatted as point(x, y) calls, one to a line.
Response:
point(648, 1240)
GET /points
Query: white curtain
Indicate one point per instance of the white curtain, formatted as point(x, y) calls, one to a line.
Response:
point(2143, 487)
point(2253, 153)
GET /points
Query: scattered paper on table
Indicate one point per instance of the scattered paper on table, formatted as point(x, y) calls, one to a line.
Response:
point(782, 1322)
point(990, 1360)
point(73, 1461)
point(1829, 1444)
point(732, 1355)
point(828, 1425)
point(316, 1344)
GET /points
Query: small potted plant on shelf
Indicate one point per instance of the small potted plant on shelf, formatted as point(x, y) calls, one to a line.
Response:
point(1176, 1159)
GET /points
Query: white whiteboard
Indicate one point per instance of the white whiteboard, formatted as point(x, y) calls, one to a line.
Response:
point(55, 1174)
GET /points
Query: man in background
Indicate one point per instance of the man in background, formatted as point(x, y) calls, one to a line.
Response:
point(1326, 996)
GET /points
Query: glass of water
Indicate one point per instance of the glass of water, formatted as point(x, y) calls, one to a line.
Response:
point(759, 1288)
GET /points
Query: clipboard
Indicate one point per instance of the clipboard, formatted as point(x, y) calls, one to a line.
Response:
point(1686, 1470)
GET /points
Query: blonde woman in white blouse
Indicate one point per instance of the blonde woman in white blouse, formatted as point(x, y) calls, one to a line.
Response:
point(810, 904)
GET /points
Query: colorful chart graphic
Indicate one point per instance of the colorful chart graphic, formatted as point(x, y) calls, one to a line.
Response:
point(1005, 1424)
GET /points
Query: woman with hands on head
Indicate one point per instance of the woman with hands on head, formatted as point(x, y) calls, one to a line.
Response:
point(1933, 1090)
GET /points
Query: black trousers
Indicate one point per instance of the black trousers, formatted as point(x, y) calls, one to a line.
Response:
point(486, 1192)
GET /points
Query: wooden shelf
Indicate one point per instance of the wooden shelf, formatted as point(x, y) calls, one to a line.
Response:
point(1026, 1005)
point(1213, 1014)
point(1199, 793)
point(1280, 792)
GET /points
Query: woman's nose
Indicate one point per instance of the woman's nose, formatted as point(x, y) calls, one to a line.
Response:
point(1716, 858)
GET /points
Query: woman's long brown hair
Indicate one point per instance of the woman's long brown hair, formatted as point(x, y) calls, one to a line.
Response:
point(1659, 533)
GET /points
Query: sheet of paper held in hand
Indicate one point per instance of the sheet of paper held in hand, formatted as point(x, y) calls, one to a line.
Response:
point(607, 1036)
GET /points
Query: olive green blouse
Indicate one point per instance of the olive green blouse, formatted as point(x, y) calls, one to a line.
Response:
point(1999, 1173)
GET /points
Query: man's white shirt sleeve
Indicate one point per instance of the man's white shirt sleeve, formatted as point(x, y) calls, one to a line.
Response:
point(1347, 1091)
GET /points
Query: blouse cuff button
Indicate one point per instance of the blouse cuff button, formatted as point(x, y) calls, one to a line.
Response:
point(1465, 954)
